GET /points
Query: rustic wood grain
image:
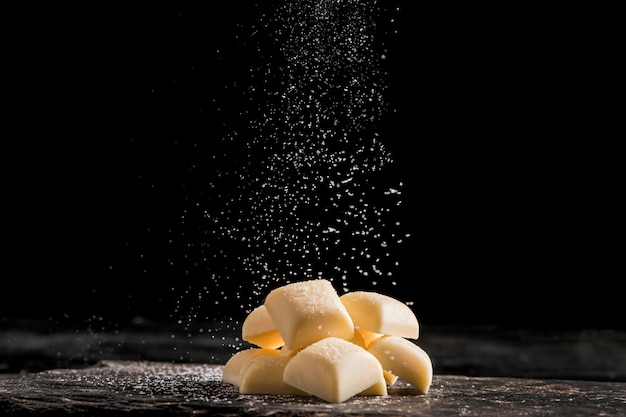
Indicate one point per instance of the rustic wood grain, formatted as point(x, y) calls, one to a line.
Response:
point(134, 388)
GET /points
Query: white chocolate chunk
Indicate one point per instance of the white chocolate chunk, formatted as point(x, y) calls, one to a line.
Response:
point(368, 337)
point(334, 370)
point(379, 388)
point(389, 377)
point(259, 329)
point(379, 313)
point(307, 311)
point(285, 351)
point(313, 342)
point(404, 359)
point(363, 338)
point(233, 367)
point(264, 375)
point(358, 339)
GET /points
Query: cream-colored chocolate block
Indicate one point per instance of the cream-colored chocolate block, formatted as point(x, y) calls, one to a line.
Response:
point(358, 340)
point(368, 337)
point(334, 370)
point(285, 351)
point(259, 329)
point(264, 375)
point(307, 311)
point(389, 377)
point(364, 338)
point(379, 388)
point(233, 367)
point(404, 359)
point(379, 313)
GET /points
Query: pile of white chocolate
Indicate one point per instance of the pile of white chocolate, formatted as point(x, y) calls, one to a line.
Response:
point(311, 341)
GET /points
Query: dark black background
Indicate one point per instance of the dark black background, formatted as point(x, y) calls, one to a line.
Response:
point(501, 136)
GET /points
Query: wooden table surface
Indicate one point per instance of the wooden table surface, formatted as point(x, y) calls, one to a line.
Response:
point(166, 389)
point(164, 372)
